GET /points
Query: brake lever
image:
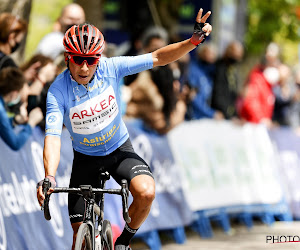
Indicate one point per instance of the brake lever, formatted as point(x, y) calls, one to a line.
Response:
point(45, 205)
point(125, 194)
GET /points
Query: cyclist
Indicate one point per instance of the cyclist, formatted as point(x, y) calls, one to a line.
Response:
point(85, 98)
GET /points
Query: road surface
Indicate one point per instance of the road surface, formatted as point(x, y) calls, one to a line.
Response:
point(238, 239)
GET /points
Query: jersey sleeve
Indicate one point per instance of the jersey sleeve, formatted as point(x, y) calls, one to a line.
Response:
point(129, 65)
point(55, 112)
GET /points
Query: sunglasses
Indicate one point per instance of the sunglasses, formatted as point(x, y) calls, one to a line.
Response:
point(79, 60)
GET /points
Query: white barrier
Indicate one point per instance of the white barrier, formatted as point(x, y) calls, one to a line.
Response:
point(223, 164)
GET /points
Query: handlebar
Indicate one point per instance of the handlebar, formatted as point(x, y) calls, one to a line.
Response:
point(124, 192)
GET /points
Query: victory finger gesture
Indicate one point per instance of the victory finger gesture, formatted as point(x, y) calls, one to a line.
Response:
point(201, 28)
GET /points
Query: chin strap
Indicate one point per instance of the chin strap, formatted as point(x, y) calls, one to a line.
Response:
point(92, 78)
point(68, 62)
point(94, 74)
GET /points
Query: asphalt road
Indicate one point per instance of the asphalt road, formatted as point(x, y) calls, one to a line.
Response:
point(238, 239)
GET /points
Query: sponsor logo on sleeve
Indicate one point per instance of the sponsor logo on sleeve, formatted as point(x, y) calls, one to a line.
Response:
point(52, 119)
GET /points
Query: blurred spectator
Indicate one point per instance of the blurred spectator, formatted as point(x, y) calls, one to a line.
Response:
point(142, 90)
point(144, 96)
point(40, 83)
point(201, 74)
point(293, 115)
point(51, 45)
point(12, 32)
point(272, 55)
point(132, 47)
point(12, 87)
point(173, 110)
point(153, 38)
point(257, 99)
point(227, 80)
point(155, 100)
point(284, 95)
point(155, 93)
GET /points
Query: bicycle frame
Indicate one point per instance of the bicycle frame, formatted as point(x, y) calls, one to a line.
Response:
point(89, 195)
point(90, 211)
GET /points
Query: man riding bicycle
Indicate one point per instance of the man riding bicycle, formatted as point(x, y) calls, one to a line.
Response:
point(85, 98)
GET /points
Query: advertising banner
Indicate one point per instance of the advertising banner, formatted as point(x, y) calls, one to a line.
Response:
point(223, 164)
point(169, 209)
point(287, 144)
point(22, 224)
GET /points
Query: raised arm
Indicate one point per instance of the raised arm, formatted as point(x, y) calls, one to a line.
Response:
point(175, 51)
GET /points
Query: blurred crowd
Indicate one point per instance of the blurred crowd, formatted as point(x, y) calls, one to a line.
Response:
point(213, 86)
point(209, 85)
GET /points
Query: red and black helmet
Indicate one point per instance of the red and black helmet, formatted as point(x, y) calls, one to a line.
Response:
point(84, 39)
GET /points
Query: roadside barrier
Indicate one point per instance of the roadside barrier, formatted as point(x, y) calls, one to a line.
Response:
point(205, 171)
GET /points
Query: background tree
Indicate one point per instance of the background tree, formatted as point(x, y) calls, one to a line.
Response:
point(274, 20)
point(93, 11)
point(43, 15)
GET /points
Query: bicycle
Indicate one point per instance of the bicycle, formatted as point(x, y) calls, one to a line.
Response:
point(94, 223)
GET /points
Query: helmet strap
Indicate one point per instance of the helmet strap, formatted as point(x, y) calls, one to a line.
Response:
point(93, 75)
point(68, 63)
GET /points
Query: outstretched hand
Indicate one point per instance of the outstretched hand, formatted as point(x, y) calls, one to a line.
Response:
point(199, 19)
point(173, 52)
point(201, 28)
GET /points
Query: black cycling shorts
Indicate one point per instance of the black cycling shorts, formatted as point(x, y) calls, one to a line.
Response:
point(123, 163)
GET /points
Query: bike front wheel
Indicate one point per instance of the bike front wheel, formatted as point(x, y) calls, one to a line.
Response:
point(84, 238)
point(107, 236)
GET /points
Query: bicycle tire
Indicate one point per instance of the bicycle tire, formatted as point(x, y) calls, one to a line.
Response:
point(107, 236)
point(84, 238)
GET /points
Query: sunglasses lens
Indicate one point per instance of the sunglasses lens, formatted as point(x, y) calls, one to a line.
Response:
point(90, 60)
point(78, 59)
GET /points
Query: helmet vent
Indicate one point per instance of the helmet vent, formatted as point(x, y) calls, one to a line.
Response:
point(73, 43)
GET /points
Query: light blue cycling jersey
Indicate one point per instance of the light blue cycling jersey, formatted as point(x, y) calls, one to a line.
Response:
point(93, 115)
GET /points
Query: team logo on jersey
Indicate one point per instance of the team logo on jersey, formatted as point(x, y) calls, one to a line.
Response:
point(94, 114)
